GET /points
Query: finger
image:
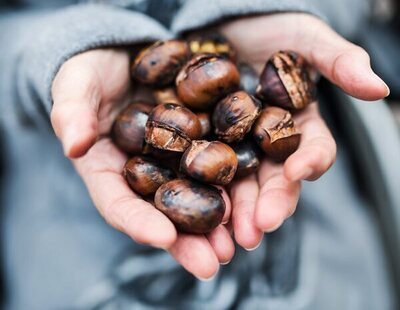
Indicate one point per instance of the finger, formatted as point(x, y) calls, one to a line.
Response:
point(244, 195)
point(277, 199)
point(196, 255)
point(101, 170)
point(317, 150)
point(343, 63)
point(76, 96)
point(221, 241)
point(228, 207)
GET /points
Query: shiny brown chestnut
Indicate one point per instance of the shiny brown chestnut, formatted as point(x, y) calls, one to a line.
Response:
point(172, 127)
point(286, 82)
point(205, 122)
point(159, 64)
point(205, 79)
point(234, 115)
point(129, 127)
point(193, 207)
point(276, 133)
point(144, 175)
point(210, 162)
point(248, 156)
point(166, 95)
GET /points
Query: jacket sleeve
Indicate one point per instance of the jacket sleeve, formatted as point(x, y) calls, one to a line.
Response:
point(33, 46)
point(345, 16)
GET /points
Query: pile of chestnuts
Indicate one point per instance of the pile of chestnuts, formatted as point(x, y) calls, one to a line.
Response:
point(207, 124)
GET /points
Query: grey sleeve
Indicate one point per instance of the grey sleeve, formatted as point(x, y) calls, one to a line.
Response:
point(345, 16)
point(34, 45)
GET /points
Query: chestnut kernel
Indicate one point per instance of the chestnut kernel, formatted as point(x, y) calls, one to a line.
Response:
point(166, 95)
point(193, 207)
point(159, 64)
point(205, 122)
point(172, 127)
point(286, 82)
point(210, 162)
point(234, 115)
point(145, 176)
point(248, 156)
point(205, 79)
point(276, 133)
point(129, 127)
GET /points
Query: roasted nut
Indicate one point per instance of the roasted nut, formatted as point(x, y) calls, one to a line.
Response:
point(193, 207)
point(145, 176)
point(276, 133)
point(210, 162)
point(166, 95)
point(129, 127)
point(205, 122)
point(159, 64)
point(234, 115)
point(248, 156)
point(248, 78)
point(172, 127)
point(286, 82)
point(205, 79)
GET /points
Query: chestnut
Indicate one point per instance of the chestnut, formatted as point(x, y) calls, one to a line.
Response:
point(166, 95)
point(144, 175)
point(248, 78)
point(210, 162)
point(159, 64)
point(234, 115)
point(205, 79)
point(129, 127)
point(276, 133)
point(205, 122)
point(172, 127)
point(286, 82)
point(193, 207)
point(248, 156)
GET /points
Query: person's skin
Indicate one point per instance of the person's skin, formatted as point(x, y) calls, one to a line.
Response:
point(89, 86)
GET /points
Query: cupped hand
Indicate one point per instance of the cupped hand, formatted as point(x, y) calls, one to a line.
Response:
point(87, 93)
point(261, 202)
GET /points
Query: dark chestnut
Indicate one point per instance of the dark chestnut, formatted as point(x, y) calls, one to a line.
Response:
point(205, 79)
point(276, 133)
point(172, 127)
point(193, 207)
point(166, 95)
point(129, 127)
point(248, 156)
point(286, 82)
point(234, 115)
point(248, 78)
point(205, 122)
point(159, 64)
point(144, 175)
point(210, 162)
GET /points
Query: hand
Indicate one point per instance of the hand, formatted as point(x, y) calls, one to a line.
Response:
point(261, 202)
point(87, 91)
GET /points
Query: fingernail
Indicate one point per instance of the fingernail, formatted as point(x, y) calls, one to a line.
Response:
point(377, 77)
point(302, 174)
point(207, 279)
point(254, 248)
point(225, 263)
point(273, 228)
point(68, 139)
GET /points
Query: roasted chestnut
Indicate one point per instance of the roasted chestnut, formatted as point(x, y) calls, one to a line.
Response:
point(144, 175)
point(248, 156)
point(172, 127)
point(248, 78)
point(205, 79)
point(166, 95)
point(193, 207)
point(129, 127)
point(159, 64)
point(276, 133)
point(205, 122)
point(210, 162)
point(286, 82)
point(234, 115)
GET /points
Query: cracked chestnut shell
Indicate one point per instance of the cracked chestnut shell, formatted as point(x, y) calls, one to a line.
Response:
point(205, 122)
point(144, 175)
point(159, 64)
point(129, 127)
point(248, 156)
point(193, 207)
point(172, 127)
point(210, 162)
point(166, 95)
point(285, 82)
point(234, 115)
point(205, 79)
point(276, 133)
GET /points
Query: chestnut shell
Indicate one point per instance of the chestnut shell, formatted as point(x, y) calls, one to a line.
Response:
point(249, 158)
point(205, 122)
point(193, 207)
point(166, 95)
point(129, 127)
